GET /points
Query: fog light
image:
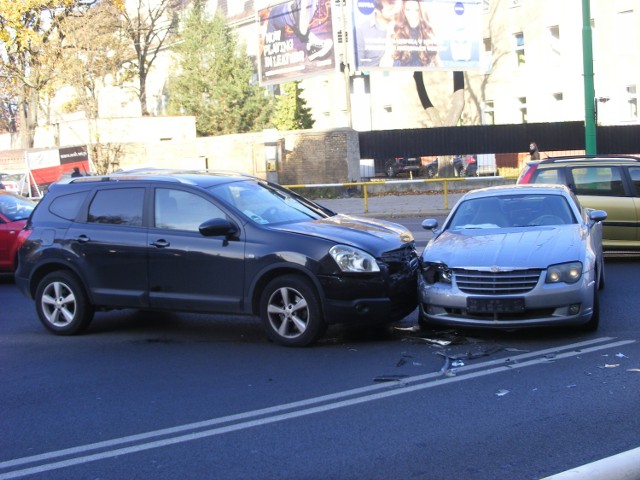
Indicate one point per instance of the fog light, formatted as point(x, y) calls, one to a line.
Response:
point(574, 309)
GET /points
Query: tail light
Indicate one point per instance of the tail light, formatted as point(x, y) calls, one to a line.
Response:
point(527, 173)
point(22, 237)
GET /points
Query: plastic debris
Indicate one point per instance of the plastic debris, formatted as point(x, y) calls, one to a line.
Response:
point(457, 363)
point(390, 378)
point(621, 355)
point(415, 328)
point(502, 393)
point(609, 365)
point(633, 370)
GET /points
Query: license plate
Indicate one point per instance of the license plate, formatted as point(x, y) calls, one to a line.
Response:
point(495, 305)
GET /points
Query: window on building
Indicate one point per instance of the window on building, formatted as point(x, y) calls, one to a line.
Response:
point(632, 102)
point(487, 59)
point(522, 101)
point(625, 32)
point(488, 113)
point(519, 48)
point(554, 39)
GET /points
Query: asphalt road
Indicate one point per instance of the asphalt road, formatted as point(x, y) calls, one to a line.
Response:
point(146, 395)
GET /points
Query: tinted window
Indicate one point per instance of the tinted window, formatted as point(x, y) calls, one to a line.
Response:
point(634, 172)
point(67, 206)
point(180, 210)
point(122, 206)
point(603, 180)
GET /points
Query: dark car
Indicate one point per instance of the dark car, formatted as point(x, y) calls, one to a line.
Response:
point(604, 182)
point(211, 243)
point(403, 165)
point(14, 211)
point(465, 165)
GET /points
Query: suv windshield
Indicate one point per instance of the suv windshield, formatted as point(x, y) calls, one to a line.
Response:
point(265, 204)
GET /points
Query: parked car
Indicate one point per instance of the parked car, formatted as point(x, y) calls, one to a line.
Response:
point(14, 183)
point(402, 165)
point(465, 166)
point(514, 256)
point(605, 182)
point(14, 211)
point(211, 243)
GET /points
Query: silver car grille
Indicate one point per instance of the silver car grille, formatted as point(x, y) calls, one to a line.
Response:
point(479, 282)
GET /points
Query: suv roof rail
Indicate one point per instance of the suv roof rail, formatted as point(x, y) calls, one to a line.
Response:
point(603, 157)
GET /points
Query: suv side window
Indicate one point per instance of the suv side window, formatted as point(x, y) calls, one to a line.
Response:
point(634, 173)
point(603, 181)
point(548, 175)
point(180, 210)
point(117, 206)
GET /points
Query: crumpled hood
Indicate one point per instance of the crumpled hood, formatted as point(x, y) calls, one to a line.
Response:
point(530, 248)
point(373, 235)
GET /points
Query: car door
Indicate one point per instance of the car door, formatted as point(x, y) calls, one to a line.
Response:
point(109, 241)
point(189, 271)
point(634, 174)
point(603, 188)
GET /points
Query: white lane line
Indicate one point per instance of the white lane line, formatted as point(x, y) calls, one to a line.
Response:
point(393, 390)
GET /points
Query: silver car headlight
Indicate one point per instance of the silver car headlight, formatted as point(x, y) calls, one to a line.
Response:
point(436, 273)
point(564, 272)
point(351, 259)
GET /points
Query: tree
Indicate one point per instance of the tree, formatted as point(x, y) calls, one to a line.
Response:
point(26, 32)
point(214, 79)
point(445, 168)
point(291, 112)
point(150, 25)
point(91, 56)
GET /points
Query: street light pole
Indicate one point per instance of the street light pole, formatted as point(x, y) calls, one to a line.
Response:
point(589, 91)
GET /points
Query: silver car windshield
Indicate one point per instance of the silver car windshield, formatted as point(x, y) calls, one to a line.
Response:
point(512, 211)
point(265, 204)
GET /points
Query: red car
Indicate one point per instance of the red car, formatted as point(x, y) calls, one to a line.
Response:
point(14, 211)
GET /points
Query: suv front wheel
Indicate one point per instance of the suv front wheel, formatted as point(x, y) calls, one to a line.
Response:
point(62, 304)
point(290, 311)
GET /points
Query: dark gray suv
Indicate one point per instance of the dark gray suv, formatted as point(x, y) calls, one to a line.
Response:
point(212, 243)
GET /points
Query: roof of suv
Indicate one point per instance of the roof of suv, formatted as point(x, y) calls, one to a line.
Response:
point(203, 178)
point(590, 159)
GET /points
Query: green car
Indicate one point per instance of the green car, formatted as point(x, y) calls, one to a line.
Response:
point(603, 182)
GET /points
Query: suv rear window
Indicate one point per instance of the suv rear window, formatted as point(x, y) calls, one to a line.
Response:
point(67, 206)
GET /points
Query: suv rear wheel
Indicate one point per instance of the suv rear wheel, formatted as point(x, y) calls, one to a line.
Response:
point(62, 304)
point(290, 311)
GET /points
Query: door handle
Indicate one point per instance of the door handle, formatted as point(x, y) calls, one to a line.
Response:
point(160, 243)
point(83, 239)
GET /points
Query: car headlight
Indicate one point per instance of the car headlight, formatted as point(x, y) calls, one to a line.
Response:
point(436, 272)
point(564, 272)
point(351, 259)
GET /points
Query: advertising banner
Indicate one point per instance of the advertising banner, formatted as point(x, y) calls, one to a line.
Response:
point(417, 34)
point(296, 40)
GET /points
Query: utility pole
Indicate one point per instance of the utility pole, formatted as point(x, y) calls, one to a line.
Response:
point(589, 91)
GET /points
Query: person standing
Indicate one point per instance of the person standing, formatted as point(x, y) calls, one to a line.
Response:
point(76, 172)
point(533, 151)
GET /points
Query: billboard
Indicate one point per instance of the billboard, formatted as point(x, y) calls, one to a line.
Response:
point(47, 166)
point(417, 34)
point(296, 40)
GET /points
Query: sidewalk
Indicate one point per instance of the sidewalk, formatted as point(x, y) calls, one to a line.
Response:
point(404, 205)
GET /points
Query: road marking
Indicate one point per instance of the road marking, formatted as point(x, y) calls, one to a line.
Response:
point(297, 409)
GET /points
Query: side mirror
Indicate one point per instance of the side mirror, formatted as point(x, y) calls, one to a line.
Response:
point(597, 215)
point(217, 227)
point(430, 224)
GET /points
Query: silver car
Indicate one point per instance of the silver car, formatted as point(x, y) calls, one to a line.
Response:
point(511, 257)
